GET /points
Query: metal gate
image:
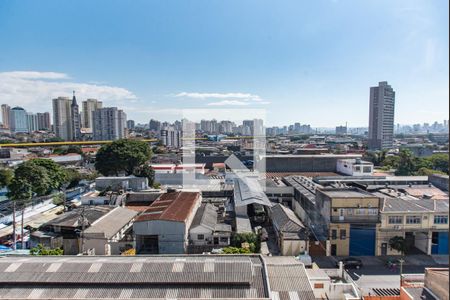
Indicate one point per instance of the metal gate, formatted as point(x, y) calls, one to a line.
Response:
point(362, 240)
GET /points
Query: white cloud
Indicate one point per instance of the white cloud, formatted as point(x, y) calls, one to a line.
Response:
point(236, 99)
point(34, 90)
point(229, 102)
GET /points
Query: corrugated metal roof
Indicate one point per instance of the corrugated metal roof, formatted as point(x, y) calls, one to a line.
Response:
point(113, 277)
point(176, 206)
point(111, 223)
point(285, 220)
point(248, 191)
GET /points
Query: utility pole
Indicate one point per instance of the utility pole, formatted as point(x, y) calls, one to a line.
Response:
point(14, 225)
point(21, 233)
point(83, 223)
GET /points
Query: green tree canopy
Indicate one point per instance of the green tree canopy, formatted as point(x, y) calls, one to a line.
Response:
point(122, 156)
point(20, 190)
point(41, 250)
point(398, 243)
point(439, 162)
point(6, 175)
point(407, 164)
point(145, 171)
point(35, 175)
point(55, 172)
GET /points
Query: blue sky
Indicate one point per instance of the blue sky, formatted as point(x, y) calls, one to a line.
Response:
point(302, 61)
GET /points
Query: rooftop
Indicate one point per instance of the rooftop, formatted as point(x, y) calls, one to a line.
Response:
point(174, 206)
point(137, 277)
point(346, 193)
point(111, 223)
point(72, 218)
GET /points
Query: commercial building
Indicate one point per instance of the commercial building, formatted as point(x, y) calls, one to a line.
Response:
point(341, 130)
point(88, 108)
point(117, 183)
point(351, 216)
point(18, 121)
point(381, 116)
point(109, 124)
point(164, 227)
point(303, 163)
point(423, 223)
point(5, 115)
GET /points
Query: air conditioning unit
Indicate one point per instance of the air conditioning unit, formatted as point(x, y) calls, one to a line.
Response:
point(396, 226)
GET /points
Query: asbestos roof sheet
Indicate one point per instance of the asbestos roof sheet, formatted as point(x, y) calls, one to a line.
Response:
point(248, 191)
point(110, 224)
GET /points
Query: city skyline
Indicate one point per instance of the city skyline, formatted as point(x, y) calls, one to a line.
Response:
point(169, 61)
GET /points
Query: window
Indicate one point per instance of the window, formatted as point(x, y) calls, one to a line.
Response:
point(318, 285)
point(367, 170)
point(343, 234)
point(333, 234)
point(200, 236)
point(413, 220)
point(440, 219)
point(224, 240)
point(395, 220)
point(373, 211)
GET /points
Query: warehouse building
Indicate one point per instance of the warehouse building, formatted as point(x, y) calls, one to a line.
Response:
point(163, 228)
point(153, 277)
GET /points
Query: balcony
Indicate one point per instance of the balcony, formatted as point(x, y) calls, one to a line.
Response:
point(355, 219)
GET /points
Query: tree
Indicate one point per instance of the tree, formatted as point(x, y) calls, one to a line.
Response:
point(6, 175)
point(439, 162)
point(406, 164)
point(145, 171)
point(122, 156)
point(391, 161)
point(73, 177)
point(428, 172)
point(41, 250)
point(55, 172)
point(35, 175)
point(398, 243)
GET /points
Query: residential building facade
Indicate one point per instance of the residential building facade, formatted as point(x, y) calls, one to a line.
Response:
point(381, 116)
point(18, 121)
point(109, 124)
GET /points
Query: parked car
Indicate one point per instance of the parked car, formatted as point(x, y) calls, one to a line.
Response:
point(351, 263)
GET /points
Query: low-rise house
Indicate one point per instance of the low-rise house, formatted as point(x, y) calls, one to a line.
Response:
point(163, 228)
point(205, 230)
point(291, 233)
point(354, 167)
point(70, 225)
point(112, 233)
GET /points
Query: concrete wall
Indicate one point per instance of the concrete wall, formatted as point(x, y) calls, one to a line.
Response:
point(439, 181)
point(172, 236)
point(292, 247)
point(437, 282)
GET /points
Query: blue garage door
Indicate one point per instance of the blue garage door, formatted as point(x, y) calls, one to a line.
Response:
point(362, 240)
point(440, 243)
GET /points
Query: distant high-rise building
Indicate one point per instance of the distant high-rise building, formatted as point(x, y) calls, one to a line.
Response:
point(75, 118)
point(381, 116)
point(18, 121)
point(44, 121)
point(109, 124)
point(341, 130)
point(171, 137)
point(154, 125)
point(88, 107)
point(62, 120)
point(5, 115)
point(130, 124)
point(32, 122)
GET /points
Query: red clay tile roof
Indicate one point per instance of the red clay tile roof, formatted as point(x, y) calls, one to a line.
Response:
point(176, 206)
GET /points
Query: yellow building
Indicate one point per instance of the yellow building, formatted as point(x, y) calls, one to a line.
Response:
point(351, 215)
point(422, 222)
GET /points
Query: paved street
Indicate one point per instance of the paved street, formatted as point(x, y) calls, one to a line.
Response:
point(376, 274)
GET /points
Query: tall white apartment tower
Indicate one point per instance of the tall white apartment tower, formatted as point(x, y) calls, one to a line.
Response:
point(381, 116)
point(89, 106)
point(62, 121)
point(109, 123)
